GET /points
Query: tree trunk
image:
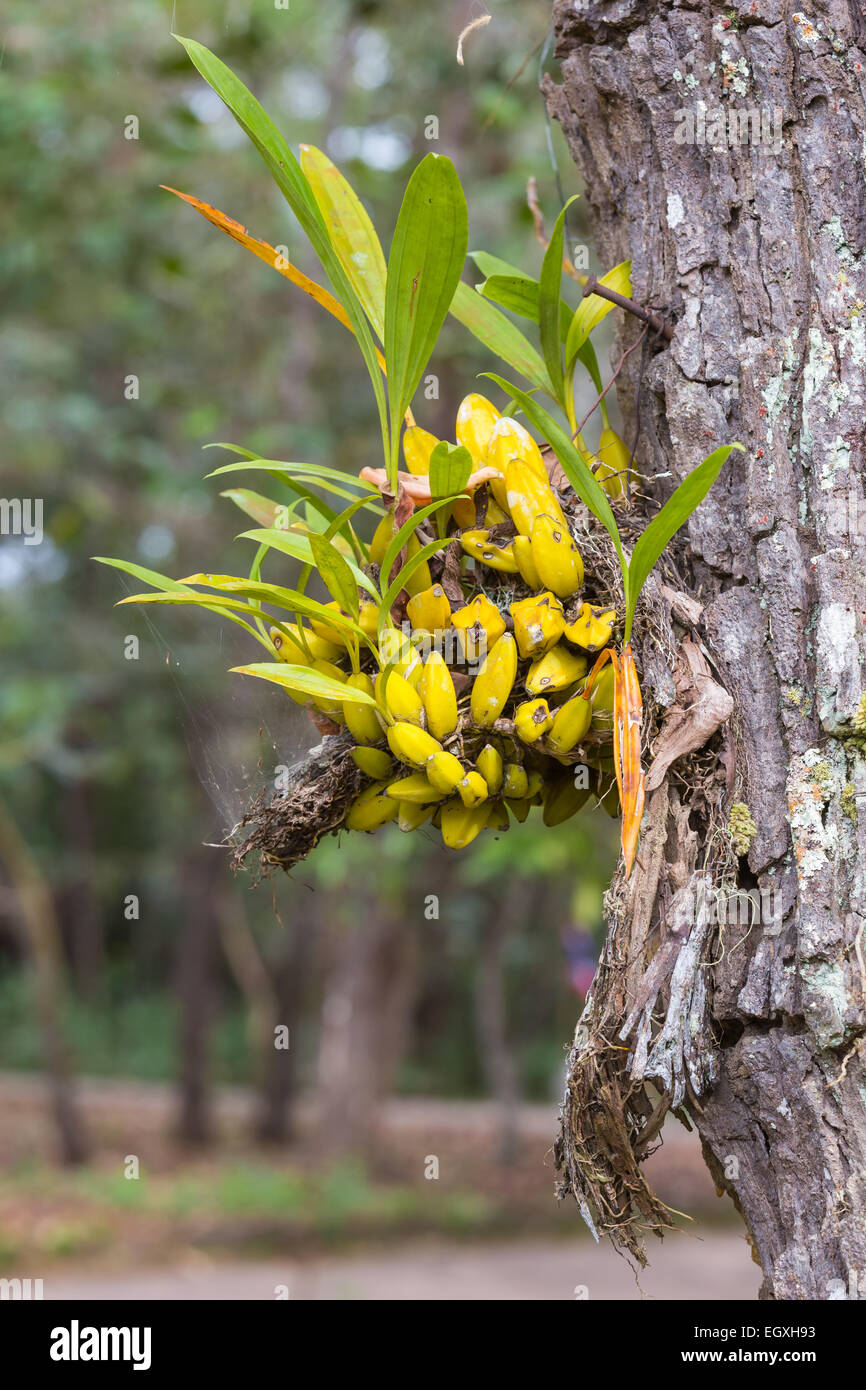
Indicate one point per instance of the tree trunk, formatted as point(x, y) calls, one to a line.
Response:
point(79, 909)
point(753, 249)
point(366, 1013)
point(195, 989)
point(491, 1021)
point(290, 975)
point(43, 943)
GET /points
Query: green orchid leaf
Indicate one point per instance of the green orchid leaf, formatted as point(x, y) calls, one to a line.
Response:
point(549, 306)
point(450, 467)
point(494, 265)
point(412, 564)
point(299, 548)
point(174, 590)
point(305, 681)
point(499, 335)
point(335, 574)
point(289, 599)
point(427, 255)
point(592, 309)
point(152, 577)
point(676, 511)
point(519, 293)
point(352, 233)
point(262, 509)
point(405, 534)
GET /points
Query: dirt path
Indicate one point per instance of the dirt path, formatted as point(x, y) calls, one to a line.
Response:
point(718, 1267)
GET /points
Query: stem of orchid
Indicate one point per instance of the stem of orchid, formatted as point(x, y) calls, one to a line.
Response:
point(392, 457)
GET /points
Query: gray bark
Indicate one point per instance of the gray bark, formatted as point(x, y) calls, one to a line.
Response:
point(755, 251)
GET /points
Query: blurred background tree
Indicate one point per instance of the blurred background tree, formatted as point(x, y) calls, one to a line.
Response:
point(134, 335)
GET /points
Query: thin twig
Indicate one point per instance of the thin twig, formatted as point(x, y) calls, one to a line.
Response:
point(538, 222)
point(605, 389)
point(507, 88)
point(593, 286)
point(590, 284)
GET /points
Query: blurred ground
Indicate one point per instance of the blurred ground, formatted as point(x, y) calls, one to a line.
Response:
point(714, 1268)
point(237, 1219)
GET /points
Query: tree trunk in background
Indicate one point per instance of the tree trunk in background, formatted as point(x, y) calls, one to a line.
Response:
point(289, 974)
point(195, 961)
point(369, 991)
point(755, 251)
point(44, 949)
point(79, 909)
point(491, 1020)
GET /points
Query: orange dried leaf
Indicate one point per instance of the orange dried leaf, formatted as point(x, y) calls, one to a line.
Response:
point(627, 751)
point(271, 256)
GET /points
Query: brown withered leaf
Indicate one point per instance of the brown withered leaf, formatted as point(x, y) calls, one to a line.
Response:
point(701, 707)
point(555, 473)
point(450, 578)
point(324, 725)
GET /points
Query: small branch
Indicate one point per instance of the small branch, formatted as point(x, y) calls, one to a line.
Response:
point(592, 286)
point(616, 372)
point(538, 222)
point(507, 88)
point(589, 282)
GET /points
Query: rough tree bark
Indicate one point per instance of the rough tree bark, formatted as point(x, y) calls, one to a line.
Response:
point(755, 251)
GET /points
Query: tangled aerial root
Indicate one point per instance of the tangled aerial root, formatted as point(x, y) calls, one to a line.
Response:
point(289, 825)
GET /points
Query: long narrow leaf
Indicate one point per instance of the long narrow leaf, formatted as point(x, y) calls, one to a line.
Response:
point(342, 524)
point(499, 335)
point(307, 471)
point(412, 564)
point(675, 512)
point(511, 287)
point(290, 180)
point(290, 543)
point(335, 574)
point(549, 301)
point(305, 680)
point(352, 233)
point(519, 293)
point(262, 509)
point(343, 519)
point(593, 309)
point(427, 255)
point(494, 265)
point(289, 599)
point(152, 577)
point(177, 588)
point(256, 577)
point(574, 465)
point(587, 355)
point(405, 533)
